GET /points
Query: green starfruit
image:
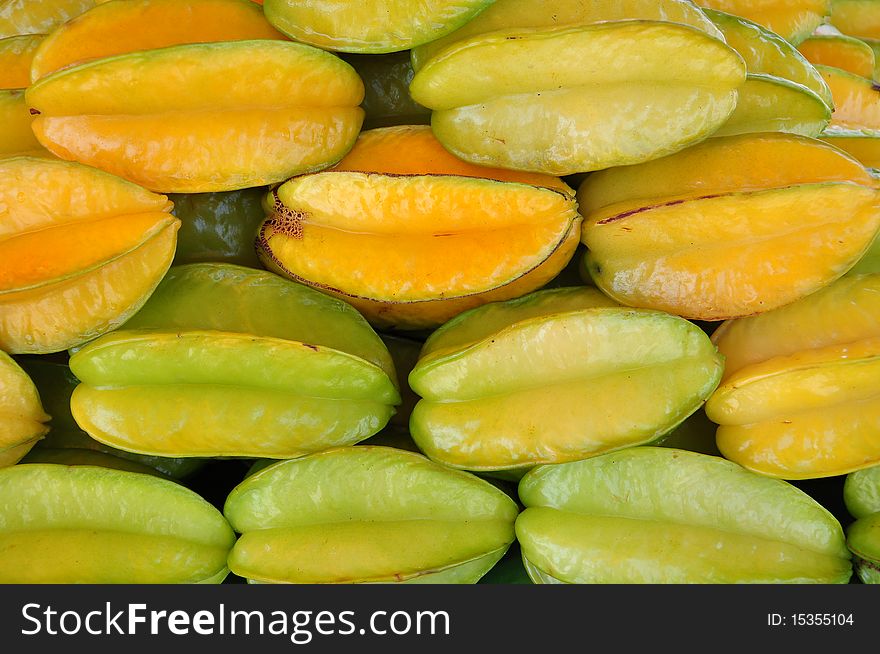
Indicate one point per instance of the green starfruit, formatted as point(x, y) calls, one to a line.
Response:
point(861, 493)
point(229, 361)
point(82, 524)
point(658, 515)
point(367, 515)
point(67, 443)
point(557, 375)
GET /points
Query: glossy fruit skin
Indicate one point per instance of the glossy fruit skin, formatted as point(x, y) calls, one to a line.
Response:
point(863, 539)
point(514, 14)
point(412, 236)
point(17, 138)
point(855, 123)
point(22, 418)
point(656, 515)
point(66, 285)
point(793, 21)
point(800, 403)
point(262, 378)
point(861, 493)
point(189, 295)
point(16, 53)
point(40, 17)
point(120, 27)
point(372, 515)
point(680, 234)
point(298, 102)
point(584, 115)
point(501, 132)
point(783, 91)
point(511, 385)
point(84, 524)
point(856, 18)
point(856, 101)
point(369, 27)
point(850, 54)
point(66, 442)
point(863, 145)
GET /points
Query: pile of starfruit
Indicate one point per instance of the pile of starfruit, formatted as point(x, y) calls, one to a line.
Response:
point(508, 291)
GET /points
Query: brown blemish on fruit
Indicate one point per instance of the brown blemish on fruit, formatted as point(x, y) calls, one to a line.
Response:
point(867, 564)
point(285, 220)
point(671, 203)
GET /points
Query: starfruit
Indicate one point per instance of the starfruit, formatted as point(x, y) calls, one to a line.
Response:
point(793, 20)
point(116, 28)
point(16, 136)
point(782, 92)
point(74, 456)
point(22, 418)
point(82, 524)
point(39, 16)
point(857, 18)
point(870, 262)
point(202, 117)
point(862, 144)
point(367, 515)
point(656, 515)
point(578, 86)
point(516, 14)
point(67, 443)
point(840, 51)
point(874, 44)
point(555, 376)
point(861, 492)
point(857, 100)
point(228, 361)
point(863, 539)
point(81, 251)
point(855, 123)
point(218, 227)
point(412, 236)
point(730, 227)
point(370, 27)
point(800, 396)
point(16, 54)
